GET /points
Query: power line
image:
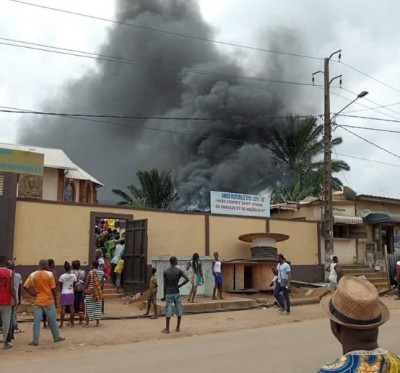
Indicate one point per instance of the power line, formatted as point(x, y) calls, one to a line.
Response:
point(12, 110)
point(368, 160)
point(21, 111)
point(373, 108)
point(341, 171)
point(357, 103)
point(370, 142)
point(95, 56)
point(370, 77)
point(135, 126)
point(375, 103)
point(369, 128)
point(365, 106)
point(370, 118)
point(152, 29)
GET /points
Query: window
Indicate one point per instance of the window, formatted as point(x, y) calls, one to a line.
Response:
point(349, 231)
point(69, 192)
point(88, 193)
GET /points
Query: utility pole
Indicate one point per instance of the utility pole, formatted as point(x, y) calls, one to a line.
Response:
point(327, 180)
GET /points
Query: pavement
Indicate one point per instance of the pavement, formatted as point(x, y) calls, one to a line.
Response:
point(294, 347)
point(118, 307)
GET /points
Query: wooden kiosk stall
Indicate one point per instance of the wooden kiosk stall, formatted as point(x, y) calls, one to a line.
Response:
point(253, 274)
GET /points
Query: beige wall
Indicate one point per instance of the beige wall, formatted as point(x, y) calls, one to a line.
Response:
point(373, 206)
point(345, 250)
point(62, 231)
point(302, 246)
point(224, 233)
point(50, 184)
point(305, 212)
point(173, 233)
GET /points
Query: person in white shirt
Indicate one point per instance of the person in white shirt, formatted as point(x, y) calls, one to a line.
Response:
point(282, 286)
point(67, 281)
point(333, 270)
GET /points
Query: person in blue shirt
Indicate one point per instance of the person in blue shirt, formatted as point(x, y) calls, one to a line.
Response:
point(282, 286)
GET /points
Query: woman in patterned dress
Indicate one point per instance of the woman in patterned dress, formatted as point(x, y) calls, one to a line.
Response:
point(94, 293)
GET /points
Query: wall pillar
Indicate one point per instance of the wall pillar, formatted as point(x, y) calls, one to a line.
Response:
point(8, 202)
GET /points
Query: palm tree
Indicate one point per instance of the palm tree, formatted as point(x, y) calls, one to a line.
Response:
point(296, 146)
point(156, 190)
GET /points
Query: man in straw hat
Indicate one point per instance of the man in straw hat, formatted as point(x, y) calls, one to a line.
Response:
point(356, 312)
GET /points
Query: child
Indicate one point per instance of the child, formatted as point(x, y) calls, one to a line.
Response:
point(67, 282)
point(153, 294)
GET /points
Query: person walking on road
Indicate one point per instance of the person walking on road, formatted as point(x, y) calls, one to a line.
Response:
point(41, 285)
point(172, 276)
point(356, 313)
point(7, 297)
point(282, 285)
point(334, 271)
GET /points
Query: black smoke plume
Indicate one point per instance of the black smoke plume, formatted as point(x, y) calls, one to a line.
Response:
point(202, 158)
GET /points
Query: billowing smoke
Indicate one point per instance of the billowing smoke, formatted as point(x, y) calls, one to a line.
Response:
point(223, 154)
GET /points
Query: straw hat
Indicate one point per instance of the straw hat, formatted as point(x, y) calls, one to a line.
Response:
point(355, 304)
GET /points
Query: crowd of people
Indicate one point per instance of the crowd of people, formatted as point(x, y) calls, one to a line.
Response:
point(353, 307)
point(81, 294)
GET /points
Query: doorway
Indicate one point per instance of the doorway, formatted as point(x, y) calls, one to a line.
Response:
point(134, 233)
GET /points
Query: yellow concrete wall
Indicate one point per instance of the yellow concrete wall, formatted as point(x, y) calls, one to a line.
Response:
point(62, 231)
point(302, 246)
point(375, 206)
point(50, 230)
point(306, 212)
point(224, 233)
point(50, 184)
point(173, 233)
point(345, 250)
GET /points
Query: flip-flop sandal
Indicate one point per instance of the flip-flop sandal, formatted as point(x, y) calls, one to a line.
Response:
point(33, 344)
point(60, 339)
point(7, 346)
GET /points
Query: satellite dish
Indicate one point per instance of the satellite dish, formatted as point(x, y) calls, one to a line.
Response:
point(365, 213)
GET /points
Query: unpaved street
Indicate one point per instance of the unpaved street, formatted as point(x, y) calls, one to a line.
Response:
point(248, 345)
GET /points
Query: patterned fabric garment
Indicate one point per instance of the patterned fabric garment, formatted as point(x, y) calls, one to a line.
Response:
point(376, 361)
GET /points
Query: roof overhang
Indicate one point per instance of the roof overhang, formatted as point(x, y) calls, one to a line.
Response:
point(380, 217)
point(355, 220)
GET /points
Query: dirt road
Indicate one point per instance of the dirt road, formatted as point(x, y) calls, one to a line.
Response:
point(255, 338)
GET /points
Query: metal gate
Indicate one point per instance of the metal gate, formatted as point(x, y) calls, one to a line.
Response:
point(135, 255)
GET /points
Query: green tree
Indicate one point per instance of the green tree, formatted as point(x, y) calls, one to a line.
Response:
point(156, 190)
point(297, 146)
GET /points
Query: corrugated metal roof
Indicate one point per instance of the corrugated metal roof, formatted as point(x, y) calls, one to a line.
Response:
point(370, 196)
point(53, 158)
point(342, 219)
point(56, 158)
point(81, 174)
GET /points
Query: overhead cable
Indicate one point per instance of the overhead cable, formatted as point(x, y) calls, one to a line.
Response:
point(152, 29)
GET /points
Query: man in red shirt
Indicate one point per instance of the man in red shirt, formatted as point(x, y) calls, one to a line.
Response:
point(42, 286)
point(7, 296)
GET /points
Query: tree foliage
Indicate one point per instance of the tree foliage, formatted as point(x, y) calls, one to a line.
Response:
point(298, 146)
point(155, 190)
